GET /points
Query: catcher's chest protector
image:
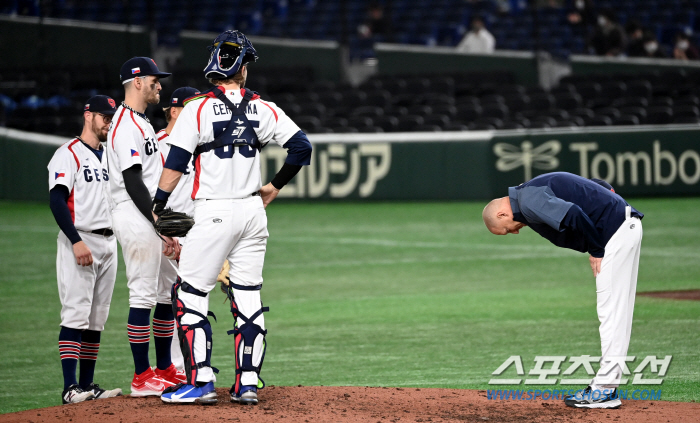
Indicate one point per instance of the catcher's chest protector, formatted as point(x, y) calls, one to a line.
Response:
point(238, 131)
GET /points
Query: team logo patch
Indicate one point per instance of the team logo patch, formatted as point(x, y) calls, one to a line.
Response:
point(59, 175)
point(87, 106)
point(217, 220)
point(174, 100)
point(135, 70)
point(111, 102)
point(134, 153)
point(632, 226)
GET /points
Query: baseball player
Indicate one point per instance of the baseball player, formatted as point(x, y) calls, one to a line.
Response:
point(180, 200)
point(135, 165)
point(86, 261)
point(586, 216)
point(225, 128)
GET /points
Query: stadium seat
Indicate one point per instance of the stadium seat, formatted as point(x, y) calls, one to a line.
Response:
point(359, 122)
point(439, 120)
point(370, 111)
point(427, 128)
point(598, 121)
point(308, 123)
point(408, 123)
point(659, 115)
point(626, 120)
point(387, 123)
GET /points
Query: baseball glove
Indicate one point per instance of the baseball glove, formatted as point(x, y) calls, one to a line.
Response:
point(223, 277)
point(172, 223)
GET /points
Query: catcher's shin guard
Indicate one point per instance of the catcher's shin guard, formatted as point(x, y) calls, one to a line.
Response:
point(195, 332)
point(249, 335)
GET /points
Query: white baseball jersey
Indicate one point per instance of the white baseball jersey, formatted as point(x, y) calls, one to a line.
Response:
point(235, 171)
point(131, 140)
point(78, 168)
point(181, 198)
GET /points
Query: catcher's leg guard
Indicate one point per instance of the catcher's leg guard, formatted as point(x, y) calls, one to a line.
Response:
point(190, 307)
point(249, 331)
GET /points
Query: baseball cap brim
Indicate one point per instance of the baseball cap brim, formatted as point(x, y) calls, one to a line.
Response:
point(160, 74)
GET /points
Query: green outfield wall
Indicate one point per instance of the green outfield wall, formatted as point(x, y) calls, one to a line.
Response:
point(585, 65)
point(400, 59)
point(324, 57)
point(31, 41)
point(469, 165)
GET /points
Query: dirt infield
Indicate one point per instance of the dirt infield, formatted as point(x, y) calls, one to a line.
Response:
point(357, 404)
point(688, 294)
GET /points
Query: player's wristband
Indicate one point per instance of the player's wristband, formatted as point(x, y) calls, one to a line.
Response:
point(162, 195)
point(285, 175)
point(159, 202)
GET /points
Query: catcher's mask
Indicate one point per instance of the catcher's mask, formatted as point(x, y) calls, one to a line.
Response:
point(229, 51)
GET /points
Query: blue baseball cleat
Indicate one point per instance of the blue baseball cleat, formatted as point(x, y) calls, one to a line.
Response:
point(247, 396)
point(190, 394)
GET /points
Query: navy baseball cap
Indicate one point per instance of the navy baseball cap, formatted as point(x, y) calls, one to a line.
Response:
point(180, 95)
point(101, 104)
point(140, 66)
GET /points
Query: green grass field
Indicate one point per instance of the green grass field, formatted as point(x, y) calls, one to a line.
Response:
point(401, 294)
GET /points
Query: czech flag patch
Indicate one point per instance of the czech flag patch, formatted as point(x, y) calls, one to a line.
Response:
point(59, 175)
point(135, 70)
point(134, 153)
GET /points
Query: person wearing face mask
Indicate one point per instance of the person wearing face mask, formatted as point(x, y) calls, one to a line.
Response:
point(652, 48)
point(684, 50)
point(609, 37)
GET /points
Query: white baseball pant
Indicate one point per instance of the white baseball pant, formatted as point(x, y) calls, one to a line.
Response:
point(616, 287)
point(233, 229)
point(86, 291)
point(143, 252)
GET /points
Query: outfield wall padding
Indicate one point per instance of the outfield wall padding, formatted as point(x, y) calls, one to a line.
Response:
point(400, 59)
point(28, 42)
point(478, 165)
point(324, 57)
point(597, 65)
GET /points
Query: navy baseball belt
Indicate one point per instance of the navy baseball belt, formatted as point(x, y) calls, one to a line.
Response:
point(104, 232)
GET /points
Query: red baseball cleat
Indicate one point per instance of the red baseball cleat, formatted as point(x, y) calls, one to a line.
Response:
point(171, 374)
point(148, 384)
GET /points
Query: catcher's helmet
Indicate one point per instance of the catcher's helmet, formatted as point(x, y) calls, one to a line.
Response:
point(229, 51)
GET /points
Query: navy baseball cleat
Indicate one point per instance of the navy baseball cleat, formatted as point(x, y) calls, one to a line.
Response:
point(588, 398)
point(190, 394)
point(248, 396)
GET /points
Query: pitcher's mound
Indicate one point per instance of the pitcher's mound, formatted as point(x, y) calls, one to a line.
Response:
point(687, 294)
point(356, 404)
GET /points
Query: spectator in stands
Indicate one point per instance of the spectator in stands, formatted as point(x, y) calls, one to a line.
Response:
point(684, 50)
point(609, 37)
point(478, 39)
point(635, 39)
point(377, 23)
point(582, 14)
point(652, 48)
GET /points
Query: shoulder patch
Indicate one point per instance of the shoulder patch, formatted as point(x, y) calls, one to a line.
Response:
point(198, 97)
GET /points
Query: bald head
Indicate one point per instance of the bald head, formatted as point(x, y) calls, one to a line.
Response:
point(498, 217)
